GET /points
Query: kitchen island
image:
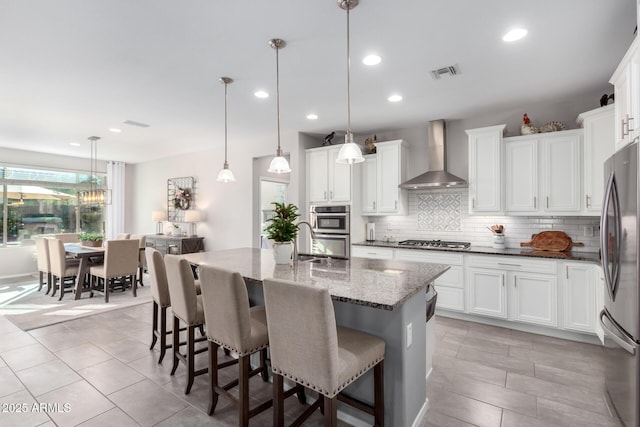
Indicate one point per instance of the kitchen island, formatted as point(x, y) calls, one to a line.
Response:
point(380, 297)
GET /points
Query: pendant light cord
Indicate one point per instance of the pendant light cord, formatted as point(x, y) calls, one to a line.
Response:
point(225, 123)
point(279, 152)
point(348, 78)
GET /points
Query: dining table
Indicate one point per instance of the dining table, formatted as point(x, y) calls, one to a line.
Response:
point(87, 255)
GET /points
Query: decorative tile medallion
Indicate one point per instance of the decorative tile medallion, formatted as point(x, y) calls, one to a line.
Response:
point(439, 212)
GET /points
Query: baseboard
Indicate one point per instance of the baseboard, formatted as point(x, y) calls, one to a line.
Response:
point(423, 411)
point(351, 420)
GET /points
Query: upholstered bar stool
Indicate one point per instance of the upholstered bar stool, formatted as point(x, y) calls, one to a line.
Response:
point(142, 243)
point(231, 324)
point(61, 267)
point(44, 265)
point(120, 261)
point(320, 355)
point(186, 306)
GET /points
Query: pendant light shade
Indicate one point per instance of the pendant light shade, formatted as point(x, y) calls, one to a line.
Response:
point(94, 195)
point(350, 152)
point(279, 164)
point(225, 174)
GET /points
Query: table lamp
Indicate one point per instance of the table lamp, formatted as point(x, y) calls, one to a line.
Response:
point(159, 217)
point(192, 217)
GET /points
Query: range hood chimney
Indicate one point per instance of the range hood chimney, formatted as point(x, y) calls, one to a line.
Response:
point(436, 175)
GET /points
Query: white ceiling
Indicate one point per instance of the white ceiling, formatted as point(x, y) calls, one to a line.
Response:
point(74, 68)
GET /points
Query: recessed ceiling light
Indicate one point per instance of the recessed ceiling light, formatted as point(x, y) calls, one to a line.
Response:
point(75, 144)
point(115, 130)
point(394, 98)
point(312, 116)
point(515, 34)
point(371, 60)
point(261, 94)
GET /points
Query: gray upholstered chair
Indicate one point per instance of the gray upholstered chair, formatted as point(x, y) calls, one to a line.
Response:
point(122, 236)
point(42, 258)
point(142, 241)
point(61, 266)
point(120, 261)
point(186, 306)
point(321, 356)
point(233, 325)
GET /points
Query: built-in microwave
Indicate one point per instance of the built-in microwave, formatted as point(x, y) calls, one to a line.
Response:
point(331, 219)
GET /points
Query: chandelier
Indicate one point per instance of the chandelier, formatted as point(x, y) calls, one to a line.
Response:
point(95, 195)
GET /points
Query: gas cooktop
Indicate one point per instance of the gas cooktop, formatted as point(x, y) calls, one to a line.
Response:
point(435, 244)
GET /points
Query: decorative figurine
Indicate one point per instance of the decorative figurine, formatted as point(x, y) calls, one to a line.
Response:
point(527, 128)
point(604, 100)
point(370, 144)
point(328, 138)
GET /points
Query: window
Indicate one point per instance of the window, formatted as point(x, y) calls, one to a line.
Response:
point(37, 201)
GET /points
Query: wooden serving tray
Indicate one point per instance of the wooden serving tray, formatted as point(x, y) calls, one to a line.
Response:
point(553, 240)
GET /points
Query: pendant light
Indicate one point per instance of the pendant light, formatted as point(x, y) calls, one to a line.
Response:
point(225, 174)
point(279, 164)
point(349, 152)
point(94, 195)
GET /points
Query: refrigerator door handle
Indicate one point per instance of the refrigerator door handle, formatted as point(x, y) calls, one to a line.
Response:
point(610, 275)
point(623, 342)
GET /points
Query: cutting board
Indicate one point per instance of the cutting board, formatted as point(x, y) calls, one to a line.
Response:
point(554, 241)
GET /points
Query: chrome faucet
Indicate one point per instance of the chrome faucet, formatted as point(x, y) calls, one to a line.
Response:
point(295, 240)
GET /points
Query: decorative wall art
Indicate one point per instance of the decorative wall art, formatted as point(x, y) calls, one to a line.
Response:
point(181, 193)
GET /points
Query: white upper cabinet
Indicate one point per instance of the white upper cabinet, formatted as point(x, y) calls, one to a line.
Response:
point(327, 181)
point(599, 145)
point(544, 173)
point(485, 169)
point(382, 173)
point(627, 97)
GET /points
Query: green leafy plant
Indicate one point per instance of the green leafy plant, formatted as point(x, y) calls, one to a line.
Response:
point(282, 227)
point(90, 237)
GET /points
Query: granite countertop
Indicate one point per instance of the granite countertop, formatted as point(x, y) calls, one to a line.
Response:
point(593, 257)
point(383, 284)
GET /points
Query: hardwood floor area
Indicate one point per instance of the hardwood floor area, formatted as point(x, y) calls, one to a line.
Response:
point(489, 376)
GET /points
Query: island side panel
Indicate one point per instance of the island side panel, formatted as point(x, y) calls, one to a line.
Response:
point(404, 368)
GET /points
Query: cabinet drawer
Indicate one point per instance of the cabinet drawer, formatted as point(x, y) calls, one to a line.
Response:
point(429, 256)
point(454, 277)
point(513, 264)
point(371, 252)
point(450, 298)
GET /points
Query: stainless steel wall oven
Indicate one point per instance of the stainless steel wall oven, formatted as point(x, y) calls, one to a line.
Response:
point(331, 227)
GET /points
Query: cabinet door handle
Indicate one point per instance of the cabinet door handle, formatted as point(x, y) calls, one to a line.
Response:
point(547, 202)
point(566, 267)
point(325, 195)
point(515, 281)
point(473, 203)
point(331, 194)
point(623, 125)
point(511, 265)
point(396, 205)
point(629, 122)
point(586, 199)
point(535, 202)
point(374, 206)
point(502, 281)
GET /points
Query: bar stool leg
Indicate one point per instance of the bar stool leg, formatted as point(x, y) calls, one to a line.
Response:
point(176, 343)
point(243, 383)
point(378, 394)
point(163, 333)
point(264, 373)
point(330, 411)
point(278, 401)
point(154, 328)
point(190, 358)
point(213, 376)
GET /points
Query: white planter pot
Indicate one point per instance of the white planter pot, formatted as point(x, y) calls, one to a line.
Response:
point(176, 232)
point(282, 252)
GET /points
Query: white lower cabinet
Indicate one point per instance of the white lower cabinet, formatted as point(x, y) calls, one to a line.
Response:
point(449, 286)
point(486, 291)
point(371, 252)
point(580, 305)
point(512, 288)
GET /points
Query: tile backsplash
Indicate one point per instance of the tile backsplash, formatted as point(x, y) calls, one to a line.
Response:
point(444, 214)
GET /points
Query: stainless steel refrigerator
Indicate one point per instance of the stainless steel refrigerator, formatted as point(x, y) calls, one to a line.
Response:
point(619, 318)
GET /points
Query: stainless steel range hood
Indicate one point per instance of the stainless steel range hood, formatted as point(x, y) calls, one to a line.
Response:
point(436, 175)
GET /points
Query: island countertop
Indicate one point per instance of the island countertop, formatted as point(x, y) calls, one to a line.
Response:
point(383, 284)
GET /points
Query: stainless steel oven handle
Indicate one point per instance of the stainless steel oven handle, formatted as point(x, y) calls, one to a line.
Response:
point(625, 344)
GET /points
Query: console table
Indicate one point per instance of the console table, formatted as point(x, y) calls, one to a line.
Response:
point(175, 245)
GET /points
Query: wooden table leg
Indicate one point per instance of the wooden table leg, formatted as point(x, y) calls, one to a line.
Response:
point(83, 268)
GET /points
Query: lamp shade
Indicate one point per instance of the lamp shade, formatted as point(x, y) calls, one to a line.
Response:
point(159, 216)
point(192, 216)
point(349, 153)
point(279, 165)
point(225, 175)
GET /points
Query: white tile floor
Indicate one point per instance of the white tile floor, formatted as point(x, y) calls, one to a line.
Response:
point(101, 366)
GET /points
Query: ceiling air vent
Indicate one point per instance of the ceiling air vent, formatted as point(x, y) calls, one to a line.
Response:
point(445, 71)
point(132, 123)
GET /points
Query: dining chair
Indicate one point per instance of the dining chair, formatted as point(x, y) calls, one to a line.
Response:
point(141, 238)
point(308, 348)
point(42, 259)
point(120, 261)
point(61, 266)
point(68, 237)
point(233, 325)
point(186, 306)
point(122, 236)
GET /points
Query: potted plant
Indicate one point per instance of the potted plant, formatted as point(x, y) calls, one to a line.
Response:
point(91, 239)
point(283, 230)
point(176, 231)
